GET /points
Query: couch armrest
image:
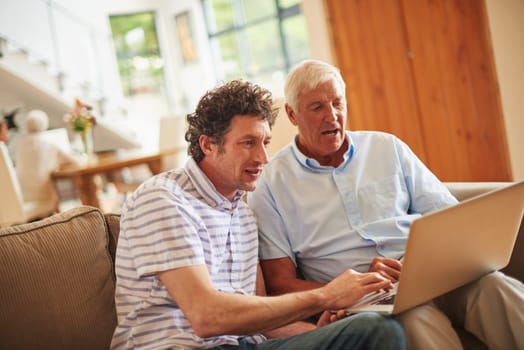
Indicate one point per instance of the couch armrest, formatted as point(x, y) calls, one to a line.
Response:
point(57, 283)
point(465, 190)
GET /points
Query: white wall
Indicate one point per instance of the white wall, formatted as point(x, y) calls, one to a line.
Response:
point(506, 20)
point(191, 79)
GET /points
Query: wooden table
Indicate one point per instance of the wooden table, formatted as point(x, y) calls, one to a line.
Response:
point(107, 163)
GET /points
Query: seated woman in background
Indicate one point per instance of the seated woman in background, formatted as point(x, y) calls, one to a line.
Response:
point(36, 158)
point(4, 132)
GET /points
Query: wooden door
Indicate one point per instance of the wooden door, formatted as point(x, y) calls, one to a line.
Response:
point(424, 71)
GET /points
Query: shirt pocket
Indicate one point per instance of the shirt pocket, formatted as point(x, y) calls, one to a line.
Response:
point(383, 199)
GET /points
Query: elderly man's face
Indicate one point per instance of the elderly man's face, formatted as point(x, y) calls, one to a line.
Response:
point(321, 120)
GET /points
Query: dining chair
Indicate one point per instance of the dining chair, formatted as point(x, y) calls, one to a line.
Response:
point(171, 136)
point(13, 208)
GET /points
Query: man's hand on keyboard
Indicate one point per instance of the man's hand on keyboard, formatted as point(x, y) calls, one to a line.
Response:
point(389, 268)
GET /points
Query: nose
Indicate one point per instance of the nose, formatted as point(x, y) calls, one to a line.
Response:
point(331, 114)
point(262, 154)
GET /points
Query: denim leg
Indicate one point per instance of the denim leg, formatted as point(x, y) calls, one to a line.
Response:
point(361, 331)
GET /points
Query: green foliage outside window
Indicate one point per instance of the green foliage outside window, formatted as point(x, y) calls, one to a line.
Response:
point(296, 38)
point(265, 50)
point(257, 40)
point(254, 10)
point(289, 3)
point(138, 54)
point(224, 15)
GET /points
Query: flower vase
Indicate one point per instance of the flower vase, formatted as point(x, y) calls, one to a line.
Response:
point(87, 141)
point(83, 143)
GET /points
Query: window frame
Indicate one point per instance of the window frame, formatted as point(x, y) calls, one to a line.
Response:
point(240, 26)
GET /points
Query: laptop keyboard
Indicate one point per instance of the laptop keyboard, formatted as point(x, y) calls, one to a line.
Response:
point(389, 300)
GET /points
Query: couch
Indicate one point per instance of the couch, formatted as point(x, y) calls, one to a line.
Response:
point(57, 278)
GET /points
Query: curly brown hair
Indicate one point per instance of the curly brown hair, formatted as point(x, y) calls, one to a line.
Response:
point(217, 107)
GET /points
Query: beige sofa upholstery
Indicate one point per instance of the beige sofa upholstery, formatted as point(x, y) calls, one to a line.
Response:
point(57, 282)
point(57, 279)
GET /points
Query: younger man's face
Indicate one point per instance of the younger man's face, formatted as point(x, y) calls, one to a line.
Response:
point(238, 163)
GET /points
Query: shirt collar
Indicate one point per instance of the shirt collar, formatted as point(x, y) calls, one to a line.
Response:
point(313, 164)
point(206, 188)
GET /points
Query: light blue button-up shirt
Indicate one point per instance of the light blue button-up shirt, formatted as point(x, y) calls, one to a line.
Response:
point(328, 219)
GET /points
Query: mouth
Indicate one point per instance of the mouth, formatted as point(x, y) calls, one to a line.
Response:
point(330, 132)
point(254, 171)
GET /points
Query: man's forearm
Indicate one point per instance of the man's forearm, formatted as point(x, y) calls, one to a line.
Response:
point(289, 285)
point(225, 313)
point(280, 276)
point(213, 313)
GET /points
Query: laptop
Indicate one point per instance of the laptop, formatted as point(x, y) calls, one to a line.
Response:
point(58, 137)
point(451, 247)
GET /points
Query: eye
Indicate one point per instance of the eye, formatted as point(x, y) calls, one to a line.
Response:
point(248, 143)
point(316, 107)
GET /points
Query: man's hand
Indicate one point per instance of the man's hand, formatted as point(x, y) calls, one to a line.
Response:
point(329, 316)
point(348, 287)
point(389, 268)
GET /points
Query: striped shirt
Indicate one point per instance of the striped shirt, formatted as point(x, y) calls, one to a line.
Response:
point(178, 219)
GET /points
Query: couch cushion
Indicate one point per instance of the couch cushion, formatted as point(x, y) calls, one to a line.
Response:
point(515, 267)
point(57, 283)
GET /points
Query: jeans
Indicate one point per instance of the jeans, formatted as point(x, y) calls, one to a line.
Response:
point(361, 331)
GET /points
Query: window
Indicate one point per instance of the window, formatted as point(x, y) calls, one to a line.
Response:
point(258, 40)
point(138, 54)
point(141, 69)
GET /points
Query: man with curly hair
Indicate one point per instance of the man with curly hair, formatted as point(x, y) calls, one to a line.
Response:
point(187, 257)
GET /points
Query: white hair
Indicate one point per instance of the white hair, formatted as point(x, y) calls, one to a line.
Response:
point(307, 75)
point(36, 121)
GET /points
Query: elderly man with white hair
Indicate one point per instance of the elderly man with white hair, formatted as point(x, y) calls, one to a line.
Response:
point(35, 159)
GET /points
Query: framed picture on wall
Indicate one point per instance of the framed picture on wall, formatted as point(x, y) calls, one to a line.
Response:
point(184, 31)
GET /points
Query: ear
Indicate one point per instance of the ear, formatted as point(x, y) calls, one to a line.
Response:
point(207, 144)
point(291, 114)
